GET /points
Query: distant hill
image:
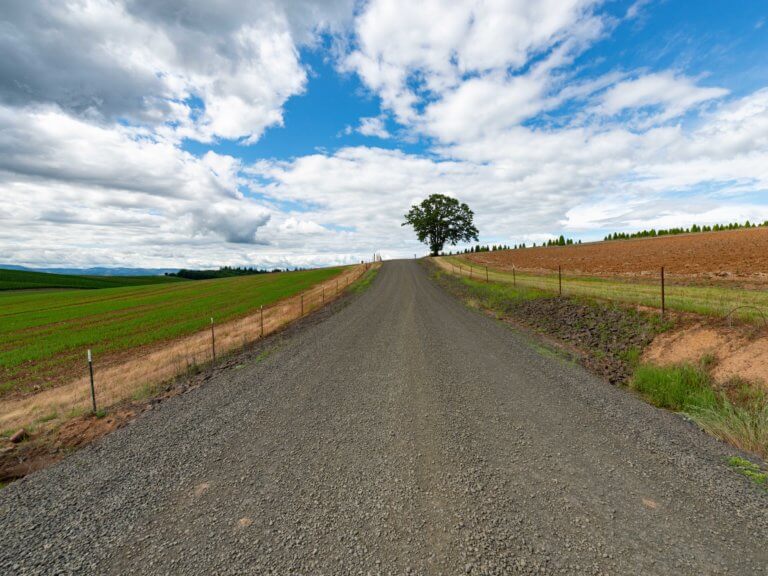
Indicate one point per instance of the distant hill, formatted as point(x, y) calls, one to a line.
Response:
point(99, 271)
point(25, 279)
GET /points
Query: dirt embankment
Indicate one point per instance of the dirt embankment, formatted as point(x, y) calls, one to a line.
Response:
point(736, 353)
point(736, 255)
point(606, 338)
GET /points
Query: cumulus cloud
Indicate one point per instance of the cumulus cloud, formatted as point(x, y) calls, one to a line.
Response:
point(374, 126)
point(212, 69)
point(672, 95)
point(98, 98)
point(59, 169)
point(445, 42)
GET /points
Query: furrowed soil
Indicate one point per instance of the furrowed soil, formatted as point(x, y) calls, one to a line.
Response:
point(734, 255)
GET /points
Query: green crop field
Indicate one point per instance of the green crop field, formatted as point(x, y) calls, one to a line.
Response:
point(24, 280)
point(719, 301)
point(43, 335)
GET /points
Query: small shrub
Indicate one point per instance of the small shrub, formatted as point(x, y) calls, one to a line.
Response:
point(689, 389)
point(745, 428)
point(677, 388)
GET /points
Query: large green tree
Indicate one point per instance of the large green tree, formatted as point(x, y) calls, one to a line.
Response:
point(441, 219)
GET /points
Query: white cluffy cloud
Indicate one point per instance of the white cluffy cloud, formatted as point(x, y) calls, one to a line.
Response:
point(374, 126)
point(673, 95)
point(444, 42)
point(221, 69)
point(499, 99)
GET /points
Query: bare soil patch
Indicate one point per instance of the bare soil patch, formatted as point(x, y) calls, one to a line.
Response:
point(738, 352)
point(728, 256)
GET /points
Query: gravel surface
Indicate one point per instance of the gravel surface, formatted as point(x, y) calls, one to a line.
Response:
point(405, 434)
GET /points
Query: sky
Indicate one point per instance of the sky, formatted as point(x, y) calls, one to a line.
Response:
point(170, 133)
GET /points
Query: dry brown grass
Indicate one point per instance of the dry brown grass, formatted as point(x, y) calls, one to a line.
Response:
point(128, 378)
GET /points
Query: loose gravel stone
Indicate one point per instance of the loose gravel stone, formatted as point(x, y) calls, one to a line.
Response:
point(405, 434)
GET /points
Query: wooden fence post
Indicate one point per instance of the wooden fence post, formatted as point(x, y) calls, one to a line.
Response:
point(486, 275)
point(93, 388)
point(213, 341)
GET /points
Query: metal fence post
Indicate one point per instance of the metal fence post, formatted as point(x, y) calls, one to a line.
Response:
point(560, 279)
point(213, 341)
point(663, 295)
point(93, 388)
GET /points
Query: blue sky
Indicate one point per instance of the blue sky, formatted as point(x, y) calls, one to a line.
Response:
point(299, 133)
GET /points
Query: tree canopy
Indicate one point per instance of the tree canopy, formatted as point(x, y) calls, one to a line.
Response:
point(441, 219)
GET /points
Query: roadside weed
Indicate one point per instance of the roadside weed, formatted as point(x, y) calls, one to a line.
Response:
point(744, 427)
point(677, 388)
point(750, 470)
point(365, 281)
point(690, 389)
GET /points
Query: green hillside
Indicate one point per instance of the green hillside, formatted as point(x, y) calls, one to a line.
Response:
point(23, 280)
point(43, 335)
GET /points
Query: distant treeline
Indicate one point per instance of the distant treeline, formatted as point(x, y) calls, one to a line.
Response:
point(652, 233)
point(223, 272)
point(561, 241)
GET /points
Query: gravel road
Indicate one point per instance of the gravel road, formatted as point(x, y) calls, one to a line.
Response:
point(404, 434)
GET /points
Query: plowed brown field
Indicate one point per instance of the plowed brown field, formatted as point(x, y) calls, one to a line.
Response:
point(735, 255)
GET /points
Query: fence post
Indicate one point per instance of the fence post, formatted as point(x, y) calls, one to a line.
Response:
point(93, 388)
point(323, 294)
point(560, 279)
point(663, 295)
point(213, 341)
point(486, 274)
point(261, 310)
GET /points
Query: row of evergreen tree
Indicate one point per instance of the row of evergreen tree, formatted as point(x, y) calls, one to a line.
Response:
point(561, 241)
point(652, 233)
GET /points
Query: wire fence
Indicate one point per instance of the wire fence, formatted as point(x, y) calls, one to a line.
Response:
point(105, 383)
point(652, 290)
